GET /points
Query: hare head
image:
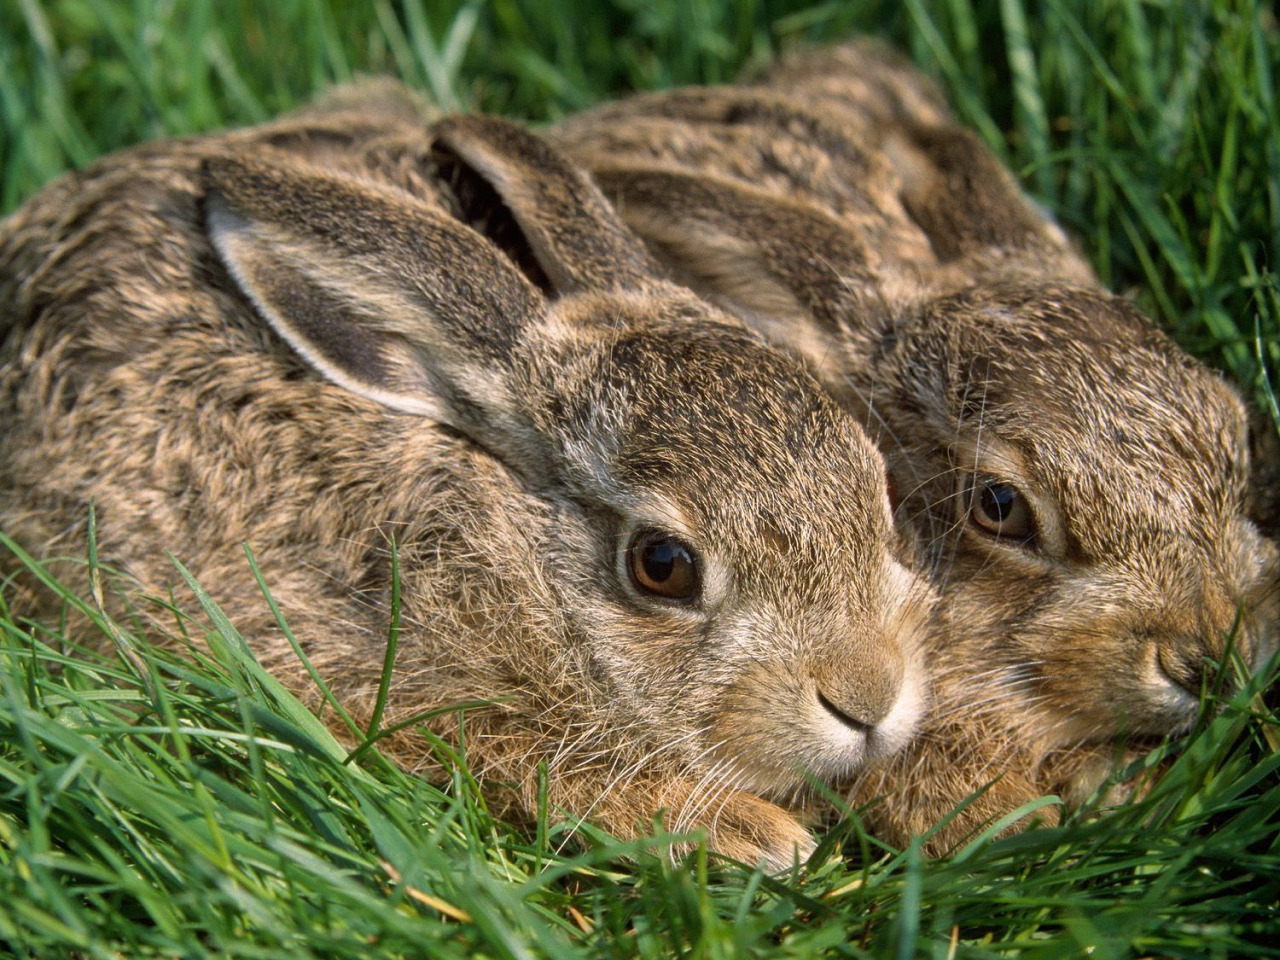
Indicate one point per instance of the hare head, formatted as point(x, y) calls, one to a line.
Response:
point(1087, 483)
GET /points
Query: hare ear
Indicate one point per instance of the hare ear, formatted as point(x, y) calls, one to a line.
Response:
point(560, 216)
point(789, 269)
point(384, 295)
point(966, 201)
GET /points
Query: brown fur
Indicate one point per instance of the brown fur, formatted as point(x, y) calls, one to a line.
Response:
point(509, 388)
point(837, 207)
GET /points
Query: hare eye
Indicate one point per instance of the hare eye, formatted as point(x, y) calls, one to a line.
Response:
point(999, 509)
point(663, 566)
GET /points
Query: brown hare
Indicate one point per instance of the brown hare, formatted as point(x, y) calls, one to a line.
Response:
point(1077, 484)
point(654, 544)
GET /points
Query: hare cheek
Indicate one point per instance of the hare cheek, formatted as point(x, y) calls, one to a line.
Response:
point(764, 733)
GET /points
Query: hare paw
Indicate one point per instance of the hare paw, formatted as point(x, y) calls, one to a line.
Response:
point(758, 832)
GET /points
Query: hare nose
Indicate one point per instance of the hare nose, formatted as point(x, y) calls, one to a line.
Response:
point(862, 700)
point(850, 721)
point(1184, 670)
point(1191, 666)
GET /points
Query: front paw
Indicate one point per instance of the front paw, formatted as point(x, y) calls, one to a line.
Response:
point(756, 832)
point(736, 824)
point(1080, 773)
point(947, 796)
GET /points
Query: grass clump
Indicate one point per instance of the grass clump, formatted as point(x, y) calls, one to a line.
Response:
point(157, 805)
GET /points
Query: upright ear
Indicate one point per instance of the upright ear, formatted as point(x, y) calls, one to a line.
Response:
point(790, 270)
point(381, 293)
point(571, 232)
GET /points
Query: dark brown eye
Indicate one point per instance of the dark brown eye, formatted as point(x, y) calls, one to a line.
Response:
point(999, 509)
point(663, 567)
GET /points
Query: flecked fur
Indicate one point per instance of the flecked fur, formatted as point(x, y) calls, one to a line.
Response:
point(835, 205)
point(344, 327)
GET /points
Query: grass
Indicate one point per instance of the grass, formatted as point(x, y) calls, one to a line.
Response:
point(189, 807)
point(152, 805)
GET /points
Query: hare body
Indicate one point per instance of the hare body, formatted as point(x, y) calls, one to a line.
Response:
point(650, 541)
point(1077, 485)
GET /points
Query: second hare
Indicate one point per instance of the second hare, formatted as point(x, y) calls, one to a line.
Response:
point(1078, 486)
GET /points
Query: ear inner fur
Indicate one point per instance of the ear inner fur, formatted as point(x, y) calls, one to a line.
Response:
point(325, 327)
point(482, 208)
point(377, 292)
point(397, 236)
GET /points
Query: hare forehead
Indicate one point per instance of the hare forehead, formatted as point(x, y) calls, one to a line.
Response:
point(747, 512)
point(1142, 449)
point(794, 492)
point(1082, 375)
point(809, 579)
point(1135, 395)
point(711, 404)
point(1110, 412)
point(1134, 506)
point(1076, 344)
point(750, 508)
